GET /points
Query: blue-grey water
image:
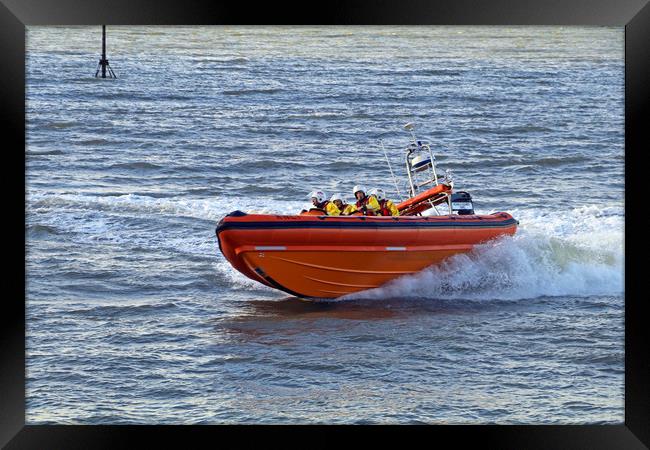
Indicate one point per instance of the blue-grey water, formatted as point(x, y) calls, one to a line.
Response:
point(133, 315)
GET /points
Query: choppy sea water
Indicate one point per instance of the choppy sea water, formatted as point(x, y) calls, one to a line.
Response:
point(133, 315)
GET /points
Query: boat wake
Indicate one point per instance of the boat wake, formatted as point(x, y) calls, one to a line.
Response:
point(576, 254)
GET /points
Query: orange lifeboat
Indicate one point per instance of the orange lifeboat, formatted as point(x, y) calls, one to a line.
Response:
point(330, 256)
point(313, 255)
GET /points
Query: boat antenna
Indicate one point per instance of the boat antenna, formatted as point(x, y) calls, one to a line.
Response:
point(409, 127)
point(391, 169)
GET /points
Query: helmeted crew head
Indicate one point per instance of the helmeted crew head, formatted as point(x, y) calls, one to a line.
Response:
point(337, 199)
point(378, 193)
point(359, 192)
point(317, 197)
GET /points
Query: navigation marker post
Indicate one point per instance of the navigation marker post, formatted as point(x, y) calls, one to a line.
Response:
point(103, 62)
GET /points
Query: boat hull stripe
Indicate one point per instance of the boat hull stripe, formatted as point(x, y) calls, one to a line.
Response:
point(365, 225)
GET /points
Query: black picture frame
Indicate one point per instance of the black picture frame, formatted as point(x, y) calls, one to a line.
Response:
point(634, 15)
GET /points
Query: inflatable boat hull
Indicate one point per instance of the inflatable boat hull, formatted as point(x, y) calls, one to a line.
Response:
point(327, 257)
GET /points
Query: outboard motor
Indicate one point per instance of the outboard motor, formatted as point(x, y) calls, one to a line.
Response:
point(461, 203)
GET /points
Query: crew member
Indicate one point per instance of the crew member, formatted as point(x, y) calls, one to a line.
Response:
point(319, 202)
point(368, 205)
point(386, 206)
point(342, 208)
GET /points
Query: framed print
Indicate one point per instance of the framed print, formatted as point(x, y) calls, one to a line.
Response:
point(361, 214)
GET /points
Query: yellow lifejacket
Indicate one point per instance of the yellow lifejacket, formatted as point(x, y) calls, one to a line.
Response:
point(332, 210)
point(368, 205)
point(390, 206)
point(348, 209)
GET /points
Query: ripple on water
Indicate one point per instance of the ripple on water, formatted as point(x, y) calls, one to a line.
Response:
point(135, 317)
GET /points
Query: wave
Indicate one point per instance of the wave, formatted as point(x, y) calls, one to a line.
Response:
point(99, 141)
point(265, 164)
point(252, 91)
point(551, 162)
point(60, 125)
point(578, 254)
point(234, 278)
point(130, 96)
point(445, 72)
point(512, 130)
point(509, 269)
point(416, 72)
point(519, 162)
point(38, 230)
point(218, 60)
point(210, 68)
point(44, 152)
point(210, 209)
point(113, 311)
point(136, 165)
point(313, 115)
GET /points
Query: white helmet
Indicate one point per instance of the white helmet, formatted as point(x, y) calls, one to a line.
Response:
point(358, 188)
point(379, 193)
point(336, 196)
point(320, 195)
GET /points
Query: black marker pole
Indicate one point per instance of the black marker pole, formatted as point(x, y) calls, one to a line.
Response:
point(103, 62)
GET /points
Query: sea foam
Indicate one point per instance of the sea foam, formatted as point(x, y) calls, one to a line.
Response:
point(577, 253)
